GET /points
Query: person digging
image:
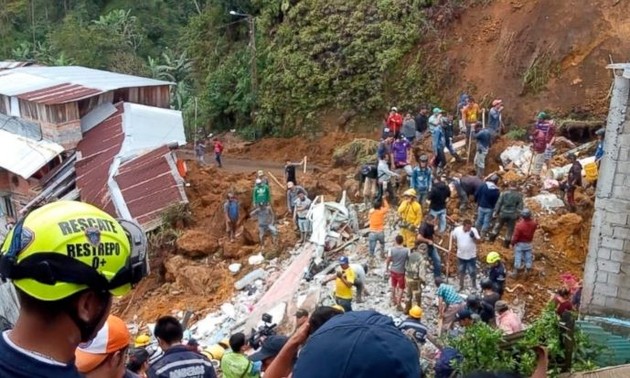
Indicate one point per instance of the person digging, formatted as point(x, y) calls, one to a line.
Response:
point(266, 220)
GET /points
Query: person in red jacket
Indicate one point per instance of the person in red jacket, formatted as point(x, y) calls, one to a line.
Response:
point(394, 122)
point(218, 151)
point(522, 241)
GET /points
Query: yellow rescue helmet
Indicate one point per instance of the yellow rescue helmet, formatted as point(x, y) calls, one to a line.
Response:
point(410, 192)
point(493, 257)
point(65, 247)
point(214, 352)
point(416, 312)
point(225, 343)
point(338, 307)
point(142, 341)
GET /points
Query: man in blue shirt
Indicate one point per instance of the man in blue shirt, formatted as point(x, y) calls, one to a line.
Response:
point(437, 138)
point(484, 139)
point(487, 197)
point(599, 152)
point(421, 179)
point(178, 360)
point(494, 117)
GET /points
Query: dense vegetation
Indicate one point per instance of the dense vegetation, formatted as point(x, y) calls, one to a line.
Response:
point(483, 348)
point(310, 55)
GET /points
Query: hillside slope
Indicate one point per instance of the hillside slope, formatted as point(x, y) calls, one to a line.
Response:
point(539, 54)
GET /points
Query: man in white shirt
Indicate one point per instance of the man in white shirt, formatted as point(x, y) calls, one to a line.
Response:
point(466, 238)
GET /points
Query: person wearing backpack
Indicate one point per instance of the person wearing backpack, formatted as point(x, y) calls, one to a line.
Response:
point(231, 213)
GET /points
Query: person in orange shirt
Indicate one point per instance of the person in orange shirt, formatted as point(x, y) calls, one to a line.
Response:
point(376, 218)
point(470, 114)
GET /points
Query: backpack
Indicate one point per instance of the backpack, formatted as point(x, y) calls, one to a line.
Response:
point(540, 140)
point(233, 210)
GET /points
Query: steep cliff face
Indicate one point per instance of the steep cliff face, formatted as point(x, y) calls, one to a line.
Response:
point(538, 54)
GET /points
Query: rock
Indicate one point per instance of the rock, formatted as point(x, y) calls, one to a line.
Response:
point(249, 278)
point(234, 268)
point(196, 243)
point(256, 259)
point(229, 310)
point(191, 277)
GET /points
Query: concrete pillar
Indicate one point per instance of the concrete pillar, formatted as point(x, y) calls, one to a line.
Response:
point(606, 289)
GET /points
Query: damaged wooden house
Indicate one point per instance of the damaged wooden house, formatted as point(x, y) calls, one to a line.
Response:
point(79, 133)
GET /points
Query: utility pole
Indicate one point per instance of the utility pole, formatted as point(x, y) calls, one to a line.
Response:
point(251, 22)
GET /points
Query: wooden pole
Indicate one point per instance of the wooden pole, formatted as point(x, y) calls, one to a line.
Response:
point(276, 180)
point(305, 160)
point(483, 118)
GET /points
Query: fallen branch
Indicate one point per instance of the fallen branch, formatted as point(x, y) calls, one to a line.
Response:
point(344, 245)
point(276, 180)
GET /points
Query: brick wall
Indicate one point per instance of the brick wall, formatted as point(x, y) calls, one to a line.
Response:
point(607, 270)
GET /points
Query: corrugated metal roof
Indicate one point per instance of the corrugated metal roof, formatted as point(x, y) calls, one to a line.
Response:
point(150, 184)
point(58, 85)
point(98, 148)
point(24, 156)
point(147, 183)
point(10, 64)
point(59, 94)
point(147, 127)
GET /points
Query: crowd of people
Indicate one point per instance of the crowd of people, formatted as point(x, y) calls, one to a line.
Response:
point(68, 260)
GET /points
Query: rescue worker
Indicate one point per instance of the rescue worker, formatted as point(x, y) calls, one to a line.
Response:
point(487, 197)
point(301, 207)
point(54, 319)
point(438, 140)
point(483, 137)
point(466, 238)
point(599, 152)
point(413, 323)
point(385, 183)
point(496, 273)
point(449, 302)
point(421, 179)
point(522, 242)
point(344, 280)
point(359, 280)
point(292, 195)
point(410, 213)
point(507, 210)
point(261, 195)
point(507, 320)
point(447, 125)
point(376, 221)
point(231, 215)
point(397, 259)
point(470, 115)
point(266, 222)
point(489, 297)
point(367, 177)
point(464, 187)
point(439, 194)
point(177, 360)
point(574, 179)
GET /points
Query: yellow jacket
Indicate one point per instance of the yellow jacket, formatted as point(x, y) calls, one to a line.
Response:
point(410, 212)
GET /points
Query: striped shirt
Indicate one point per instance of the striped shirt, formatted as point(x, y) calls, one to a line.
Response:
point(449, 295)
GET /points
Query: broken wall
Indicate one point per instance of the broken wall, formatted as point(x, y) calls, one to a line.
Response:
point(607, 270)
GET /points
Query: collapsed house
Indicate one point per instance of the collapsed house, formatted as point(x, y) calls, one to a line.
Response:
point(79, 133)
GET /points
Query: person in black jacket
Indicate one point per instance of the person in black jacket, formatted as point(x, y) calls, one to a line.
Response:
point(422, 120)
point(178, 360)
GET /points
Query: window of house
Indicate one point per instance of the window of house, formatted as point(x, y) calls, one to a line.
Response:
point(6, 206)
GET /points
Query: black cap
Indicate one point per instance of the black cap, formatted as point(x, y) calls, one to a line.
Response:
point(463, 314)
point(270, 348)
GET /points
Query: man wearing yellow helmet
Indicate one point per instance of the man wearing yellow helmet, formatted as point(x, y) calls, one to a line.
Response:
point(413, 323)
point(410, 213)
point(496, 274)
point(66, 260)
